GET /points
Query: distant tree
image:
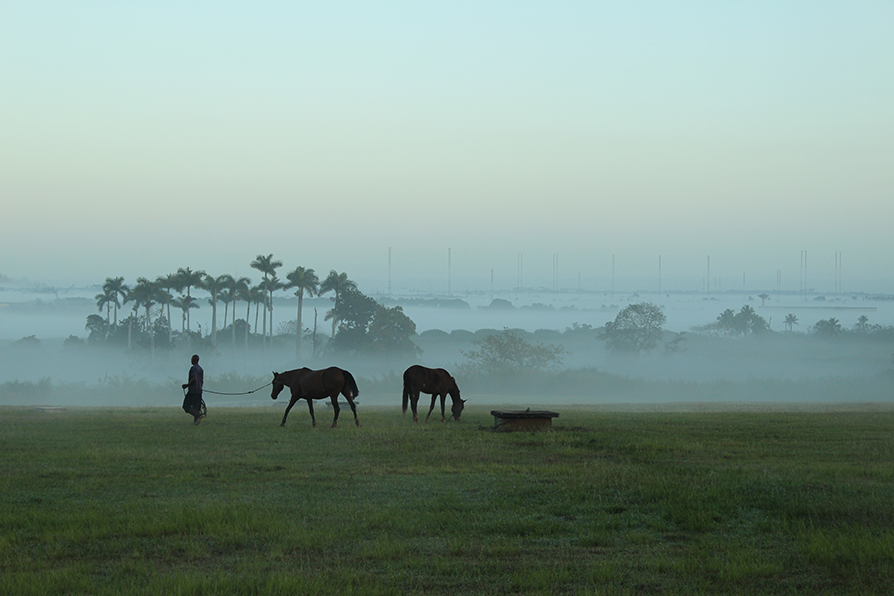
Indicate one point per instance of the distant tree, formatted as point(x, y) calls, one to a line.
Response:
point(116, 287)
point(225, 296)
point(267, 265)
point(862, 324)
point(335, 282)
point(674, 346)
point(104, 301)
point(167, 285)
point(636, 328)
point(185, 304)
point(367, 326)
point(737, 324)
point(509, 353)
point(258, 297)
point(302, 280)
point(391, 330)
point(827, 328)
point(354, 312)
point(214, 285)
point(144, 294)
point(73, 342)
point(131, 297)
point(242, 291)
point(98, 329)
point(187, 278)
point(29, 342)
point(270, 285)
point(790, 321)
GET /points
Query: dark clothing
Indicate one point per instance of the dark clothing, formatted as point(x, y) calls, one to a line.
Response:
point(196, 380)
point(192, 402)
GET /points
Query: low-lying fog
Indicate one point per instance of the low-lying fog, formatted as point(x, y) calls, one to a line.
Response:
point(790, 356)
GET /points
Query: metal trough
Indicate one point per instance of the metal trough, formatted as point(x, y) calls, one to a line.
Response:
point(523, 420)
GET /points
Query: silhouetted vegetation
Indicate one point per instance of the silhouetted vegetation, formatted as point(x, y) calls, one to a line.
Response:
point(637, 328)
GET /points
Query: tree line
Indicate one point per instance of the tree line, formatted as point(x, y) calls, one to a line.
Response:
point(640, 327)
point(358, 322)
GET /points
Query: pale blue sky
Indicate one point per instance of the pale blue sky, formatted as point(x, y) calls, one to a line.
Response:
point(139, 137)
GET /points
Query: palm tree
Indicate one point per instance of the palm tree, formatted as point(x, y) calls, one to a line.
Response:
point(270, 285)
point(828, 328)
point(164, 297)
point(226, 296)
point(131, 297)
point(336, 282)
point(862, 324)
point(789, 321)
point(144, 295)
point(214, 285)
point(268, 266)
point(116, 287)
point(104, 301)
point(178, 303)
point(242, 291)
point(258, 297)
point(185, 303)
point(303, 280)
point(168, 285)
point(189, 279)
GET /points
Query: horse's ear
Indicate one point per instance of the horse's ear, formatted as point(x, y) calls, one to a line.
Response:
point(464, 400)
point(275, 374)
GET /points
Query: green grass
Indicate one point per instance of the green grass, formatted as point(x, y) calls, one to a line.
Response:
point(139, 501)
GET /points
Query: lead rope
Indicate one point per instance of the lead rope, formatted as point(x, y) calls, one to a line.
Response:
point(241, 393)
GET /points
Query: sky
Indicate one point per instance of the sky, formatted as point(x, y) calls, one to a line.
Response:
point(480, 144)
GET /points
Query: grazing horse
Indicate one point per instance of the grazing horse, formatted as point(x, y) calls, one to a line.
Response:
point(435, 381)
point(308, 384)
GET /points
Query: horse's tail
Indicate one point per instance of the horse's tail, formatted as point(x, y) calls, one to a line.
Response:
point(406, 396)
point(351, 384)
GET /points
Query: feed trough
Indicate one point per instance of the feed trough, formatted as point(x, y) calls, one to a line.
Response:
point(523, 420)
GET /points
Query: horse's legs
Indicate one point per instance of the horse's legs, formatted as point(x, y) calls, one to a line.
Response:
point(335, 408)
point(414, 399)
point(289, 407)
point(310, 407)
point(353, 409)
point(443, 397)
point(350, 399)
point(434, 396)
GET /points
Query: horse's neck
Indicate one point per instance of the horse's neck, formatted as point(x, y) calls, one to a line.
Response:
point(288, 377)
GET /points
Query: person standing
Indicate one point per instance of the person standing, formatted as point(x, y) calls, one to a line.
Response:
point(192, 401)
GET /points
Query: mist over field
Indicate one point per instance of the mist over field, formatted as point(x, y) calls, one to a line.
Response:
point(448, 328)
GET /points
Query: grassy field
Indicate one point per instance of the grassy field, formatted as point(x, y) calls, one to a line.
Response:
point(139, 501)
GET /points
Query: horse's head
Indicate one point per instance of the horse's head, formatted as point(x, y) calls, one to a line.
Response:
point(458, 405)
point(277, 386)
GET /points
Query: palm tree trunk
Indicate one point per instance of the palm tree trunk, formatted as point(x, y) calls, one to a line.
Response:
point(247, 317)
point(151, 330)
point(265, 322)
point(214, 319)
point(298, 339)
